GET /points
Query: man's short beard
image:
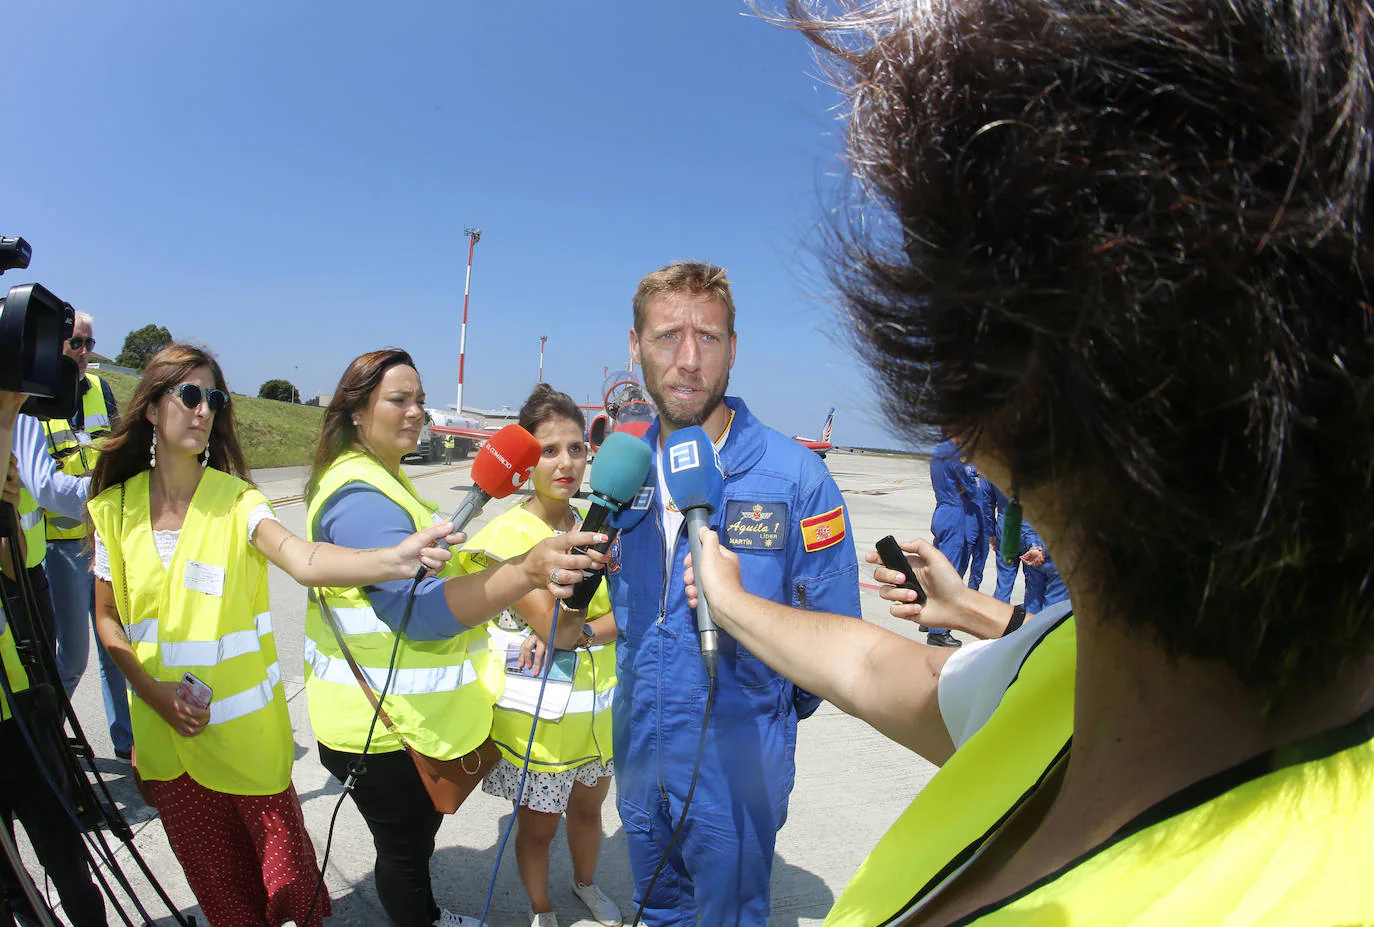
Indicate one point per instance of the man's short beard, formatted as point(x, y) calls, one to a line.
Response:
point(712, 403)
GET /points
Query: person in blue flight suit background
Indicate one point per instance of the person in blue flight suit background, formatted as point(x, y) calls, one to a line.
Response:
point(782, 513)
point(955, 496)
point(995, 504)
point(977, 524)
point(1044, 586)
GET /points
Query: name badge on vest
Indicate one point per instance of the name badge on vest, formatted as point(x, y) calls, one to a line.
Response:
point(755, 525)
point(83, 439)
point(204, 577)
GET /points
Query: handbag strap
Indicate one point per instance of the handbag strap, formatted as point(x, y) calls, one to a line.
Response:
point(327, 614)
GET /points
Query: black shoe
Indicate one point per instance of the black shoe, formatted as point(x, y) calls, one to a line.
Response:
point(943, 639)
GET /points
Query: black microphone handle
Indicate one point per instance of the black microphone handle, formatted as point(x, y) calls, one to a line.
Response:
point(698, 518)
point(591, 579)
point(595, 521)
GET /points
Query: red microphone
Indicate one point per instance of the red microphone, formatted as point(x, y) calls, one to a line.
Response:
point(501, 466)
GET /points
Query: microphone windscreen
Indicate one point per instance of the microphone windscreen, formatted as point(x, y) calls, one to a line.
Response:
point(620, 466)
point(691, 470)
point(505, 462)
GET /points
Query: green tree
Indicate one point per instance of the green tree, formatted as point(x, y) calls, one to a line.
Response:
point(280, 390)
point(141, 345)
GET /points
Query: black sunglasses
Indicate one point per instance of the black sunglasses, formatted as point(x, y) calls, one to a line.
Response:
point(76, 344)
point(191, 394)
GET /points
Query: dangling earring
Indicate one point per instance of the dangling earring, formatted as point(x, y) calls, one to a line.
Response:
point(152, 452)
point(205, 461)
point(1009, 546)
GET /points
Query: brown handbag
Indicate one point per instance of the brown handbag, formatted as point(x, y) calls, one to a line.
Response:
point(448, 782)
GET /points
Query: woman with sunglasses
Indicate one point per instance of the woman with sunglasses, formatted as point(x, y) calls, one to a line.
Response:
point(182, 542)
point(358, 496)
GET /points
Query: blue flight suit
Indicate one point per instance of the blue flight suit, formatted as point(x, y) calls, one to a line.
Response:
point(1044, 585)
point(718, 872)
point(949, 478)
point(995, 511)
point(977, 524)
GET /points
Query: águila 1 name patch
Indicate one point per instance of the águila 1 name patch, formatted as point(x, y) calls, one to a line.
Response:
point(755, 525)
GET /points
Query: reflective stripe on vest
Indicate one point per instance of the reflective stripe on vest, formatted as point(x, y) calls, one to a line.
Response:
point(202, 653)
point(15, 675)
point(72, 457)
point(403, 681)
point(226, 641)
point(435, 700)
point(31, 522)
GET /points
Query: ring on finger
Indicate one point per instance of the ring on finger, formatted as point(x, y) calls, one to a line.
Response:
point(553, 576)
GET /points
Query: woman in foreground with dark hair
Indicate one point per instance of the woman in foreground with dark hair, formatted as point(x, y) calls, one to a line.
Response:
point(182, 541)
point(358, 494)
point(1131, 275)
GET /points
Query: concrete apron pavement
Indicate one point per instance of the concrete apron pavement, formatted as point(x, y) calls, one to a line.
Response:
point(851, 783)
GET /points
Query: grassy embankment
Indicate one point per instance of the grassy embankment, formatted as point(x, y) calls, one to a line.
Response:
point(273, 434)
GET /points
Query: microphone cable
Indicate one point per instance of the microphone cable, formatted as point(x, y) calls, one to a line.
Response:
point(691, 788)
point(525, 763)
point(358, 767)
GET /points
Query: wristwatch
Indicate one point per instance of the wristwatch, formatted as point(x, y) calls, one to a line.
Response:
point(588, 635)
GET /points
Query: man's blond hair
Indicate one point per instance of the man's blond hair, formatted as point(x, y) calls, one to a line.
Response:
point(689, 278)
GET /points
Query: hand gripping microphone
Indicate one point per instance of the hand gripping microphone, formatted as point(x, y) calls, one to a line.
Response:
point(694, 480)
point(618, 472)
point(501, 466)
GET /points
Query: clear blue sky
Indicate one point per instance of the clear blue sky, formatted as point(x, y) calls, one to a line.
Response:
point(288, 182)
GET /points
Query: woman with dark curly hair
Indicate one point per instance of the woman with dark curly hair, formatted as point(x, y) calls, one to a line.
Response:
point(1125, 262)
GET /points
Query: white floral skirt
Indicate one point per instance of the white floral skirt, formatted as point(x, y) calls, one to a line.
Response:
point(544, 791)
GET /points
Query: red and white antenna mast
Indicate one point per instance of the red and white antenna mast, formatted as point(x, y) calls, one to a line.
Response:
point(474, 235)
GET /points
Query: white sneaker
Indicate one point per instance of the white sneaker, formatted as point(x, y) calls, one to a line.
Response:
point(545, 919)
point(449, 919)
point(603, 909)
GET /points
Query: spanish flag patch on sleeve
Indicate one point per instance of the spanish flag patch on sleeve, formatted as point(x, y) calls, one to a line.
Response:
point(824, 530)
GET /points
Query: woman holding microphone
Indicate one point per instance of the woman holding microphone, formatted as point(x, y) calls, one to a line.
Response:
point(437, 701)
point(570, 760)
point(182, 542)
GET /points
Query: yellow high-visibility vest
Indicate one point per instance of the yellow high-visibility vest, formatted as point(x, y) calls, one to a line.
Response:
point(31, 521)
point(436, 698)
point(75, 456)
point(14, 670)
point(1285, 838)
point(206, 614)
point(584, 732)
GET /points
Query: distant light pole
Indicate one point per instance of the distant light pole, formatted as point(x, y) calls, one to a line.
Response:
point(295, 375)
point(542, 339)
point(474, 235)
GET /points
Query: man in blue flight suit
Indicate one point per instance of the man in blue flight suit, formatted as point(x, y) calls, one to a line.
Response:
point(782, 513)
point(956, 496)
point(977, 525)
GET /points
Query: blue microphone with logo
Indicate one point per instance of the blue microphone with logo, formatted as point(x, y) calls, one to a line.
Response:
point(692, 473)
point(618, 472)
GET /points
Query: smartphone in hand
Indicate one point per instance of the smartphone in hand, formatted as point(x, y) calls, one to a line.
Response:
point(895, 559)
point(192, 690)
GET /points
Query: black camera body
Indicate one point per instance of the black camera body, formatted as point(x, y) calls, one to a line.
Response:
point(33, 326)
